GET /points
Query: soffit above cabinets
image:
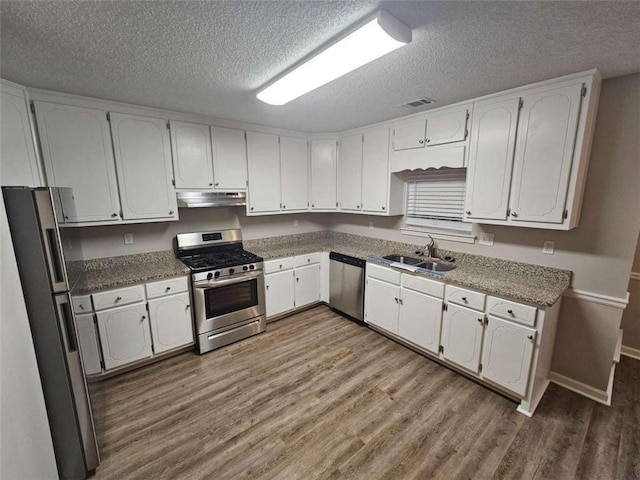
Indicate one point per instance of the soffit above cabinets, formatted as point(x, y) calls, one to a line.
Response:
point(211, 58)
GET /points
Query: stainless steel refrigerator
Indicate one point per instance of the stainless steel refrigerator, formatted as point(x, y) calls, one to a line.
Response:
point(35, 215)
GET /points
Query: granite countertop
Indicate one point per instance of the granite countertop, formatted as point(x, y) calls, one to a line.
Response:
point(534, 284)
point(115, 272)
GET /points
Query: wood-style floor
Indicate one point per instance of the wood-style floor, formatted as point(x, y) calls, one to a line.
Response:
point(318, 396)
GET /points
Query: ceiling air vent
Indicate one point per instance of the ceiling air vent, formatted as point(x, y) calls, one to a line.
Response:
point(420, 102)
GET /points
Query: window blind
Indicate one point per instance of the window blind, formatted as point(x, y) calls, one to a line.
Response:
point(436, 195)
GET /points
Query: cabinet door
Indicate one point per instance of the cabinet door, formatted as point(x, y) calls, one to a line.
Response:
point(263, 161)
point(77, 153)
point(124, 335)
point(408, 135)
point(143, 160)
point(279, 292)
point(351, 172)
point(462, 336)
point(191, 148)
point(420, 319)
point(381, 304)
point(229, 159)
point(294, 173)
point(323, 175)
point(375, 170)
point(171, 324)
point(446, 127)
point(18, 156)
point(493, 137)
point(544, 151)
point(307, 287)
point(507, 353)
point(88, 340)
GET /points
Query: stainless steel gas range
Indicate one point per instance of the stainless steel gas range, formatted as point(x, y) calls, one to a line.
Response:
point(228, 287)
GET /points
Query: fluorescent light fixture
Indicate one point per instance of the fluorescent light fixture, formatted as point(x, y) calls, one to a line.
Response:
point(375, 37)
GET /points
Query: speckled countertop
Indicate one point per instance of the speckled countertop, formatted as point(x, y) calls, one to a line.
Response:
point(537, 285)
point(115, 272)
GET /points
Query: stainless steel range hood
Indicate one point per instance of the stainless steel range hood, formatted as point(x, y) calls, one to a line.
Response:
point(211, 199)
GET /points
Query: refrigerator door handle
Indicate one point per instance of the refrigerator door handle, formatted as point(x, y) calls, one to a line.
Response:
point(51, 240)
point(65, 316)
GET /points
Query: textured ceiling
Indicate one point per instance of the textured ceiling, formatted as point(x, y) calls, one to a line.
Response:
point(210, 57)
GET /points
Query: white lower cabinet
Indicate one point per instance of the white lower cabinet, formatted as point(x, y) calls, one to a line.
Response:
point(419, 320)
point(124, 335)
point(462, 330)
point(170, 319)
point(88, 340)
point(292, 283)
point(382, 304)
point(507, 354)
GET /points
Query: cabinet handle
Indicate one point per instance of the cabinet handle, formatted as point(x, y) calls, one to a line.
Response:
point(187, 307)
point(211, 184)
point(464, 299)
point(170, 212)
point(81, 307)
point(312, 205)
point(400, 301)
point(267, 287)
point(357, 206)
point(530, 337)
point(514, 214)
point(396, 299)
point(308, 260)
point(297, 279)
point(143, 317)
point(114, 215)
point(217, 183)
point(167, 289)
point(251, 209)
point(468, 212)
point(428, 140)
point(118, 299)
point(510, 312)
point(383, 208)
point(480, 320)
point(281, 266)
point(421, 141)
point(284, 206)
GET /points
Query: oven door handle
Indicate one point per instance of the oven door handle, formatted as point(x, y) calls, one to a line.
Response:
point(229, 281)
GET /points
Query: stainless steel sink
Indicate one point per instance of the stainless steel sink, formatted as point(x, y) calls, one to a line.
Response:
point(403, 259)
point(434, 264)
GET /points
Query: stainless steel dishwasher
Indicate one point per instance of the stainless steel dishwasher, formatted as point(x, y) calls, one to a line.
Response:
point(346, 292)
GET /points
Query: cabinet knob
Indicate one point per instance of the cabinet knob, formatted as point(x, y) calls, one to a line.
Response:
point(170, 212)
point(396, 299)
point(284, 206)
point(267, 287)
point(167, 289)
point(211, 184)
point(251, 209)
point(464, 299)
point(468, 212)
point(143, 317)
point(357, 206)
point(428, 140)
point(312, 205)
point(217, 183)
point(530, 337)
point(383, 208)
point(114, 215)
point(400, 301)
point(514, 214)
point(118, 299)
point(420, 142)
point(280, 265)
point(510, 312)
point(480, 320)
point(297, 279)
point(81, 307)
point(187, 307)
point(66, 217)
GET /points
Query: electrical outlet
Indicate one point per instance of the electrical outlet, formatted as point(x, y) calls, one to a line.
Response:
point(486, 239)
point(371, 225)
point(547, 247)
point(295, 223)
point(128, 238)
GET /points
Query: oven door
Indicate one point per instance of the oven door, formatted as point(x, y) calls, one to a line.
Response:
point(220, 303)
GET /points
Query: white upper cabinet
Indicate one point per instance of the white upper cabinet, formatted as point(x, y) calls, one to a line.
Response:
point(528, 168)
point(191, 148)
point(77, 153)
point(323, 175)
point(263, 160)
point(19, 165)
point(351, 172)
point(294, 173)
point(544, 152)
point(409, 134)
point(143, 158)
point(447, 126)
point(375, 170)
point(229, 159)
point(493, 138)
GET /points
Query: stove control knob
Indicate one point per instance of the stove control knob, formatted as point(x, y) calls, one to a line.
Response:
point(245, 268)
point(217, 274)
point(209, 275)
point(231, 270)
point(251, 267)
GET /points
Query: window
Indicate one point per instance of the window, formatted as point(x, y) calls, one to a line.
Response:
point(435, 204)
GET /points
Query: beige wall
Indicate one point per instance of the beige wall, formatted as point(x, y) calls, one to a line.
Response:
point(26, 450)
point(108, 241)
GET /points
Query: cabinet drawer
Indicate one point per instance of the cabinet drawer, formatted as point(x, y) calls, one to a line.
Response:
point(82, 304)
point(511, 311)
point(423, 285)
point(167, 287)
point(383, 273)
point(466, 298)
point(278, 264)
point(115, 298)
point(308, 259)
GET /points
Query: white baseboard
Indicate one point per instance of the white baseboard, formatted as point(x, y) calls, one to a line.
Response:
point(630, 352)
point(600, 396)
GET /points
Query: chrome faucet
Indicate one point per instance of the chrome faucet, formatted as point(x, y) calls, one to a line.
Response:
point(430, 248)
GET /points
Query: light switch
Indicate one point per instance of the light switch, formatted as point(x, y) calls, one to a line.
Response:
point(486, 239)
point(295, 223)
point(548, 247)
point(371, 225)
point(128, 238)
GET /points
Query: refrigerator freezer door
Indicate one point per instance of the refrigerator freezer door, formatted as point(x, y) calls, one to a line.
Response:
point(51, 240)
